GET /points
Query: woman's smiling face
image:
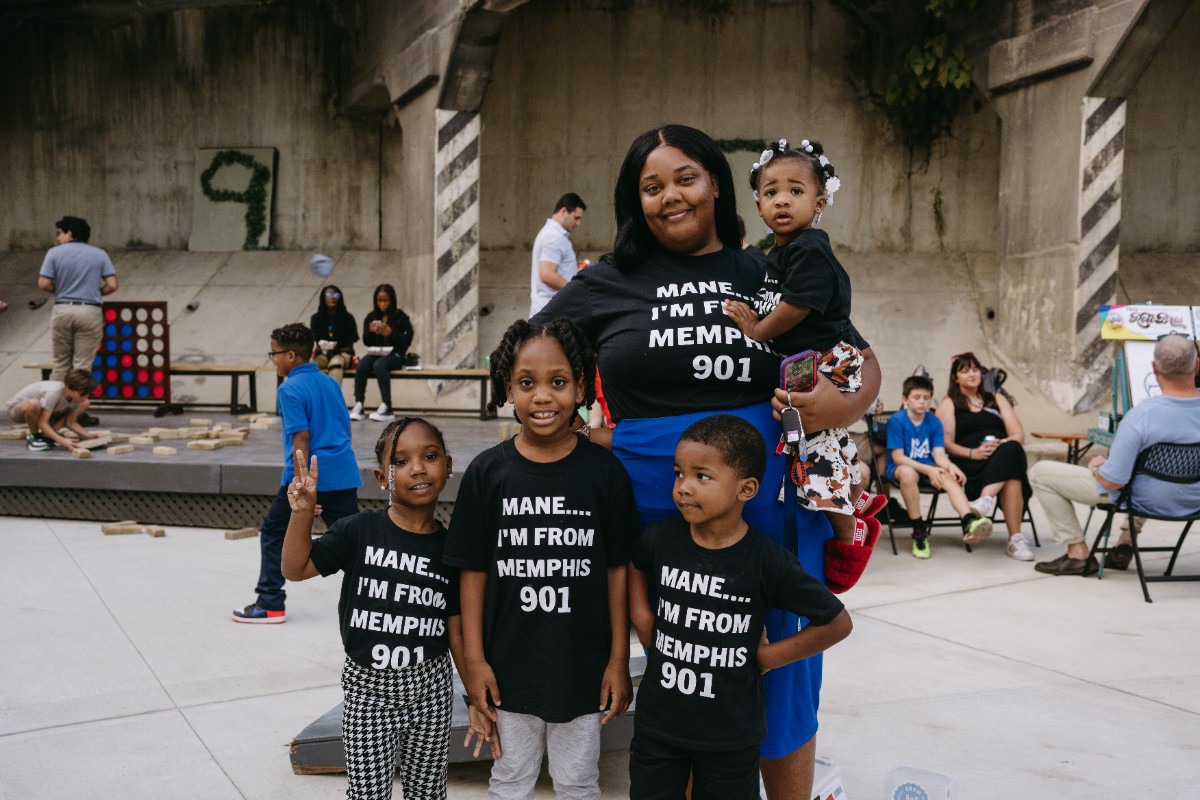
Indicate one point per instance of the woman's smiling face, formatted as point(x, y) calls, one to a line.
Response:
point(678, 200)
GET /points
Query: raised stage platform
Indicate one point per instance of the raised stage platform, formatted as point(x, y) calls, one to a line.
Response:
point(226, 488)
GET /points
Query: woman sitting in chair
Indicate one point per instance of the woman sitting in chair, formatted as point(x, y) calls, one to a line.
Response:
point(983, 438)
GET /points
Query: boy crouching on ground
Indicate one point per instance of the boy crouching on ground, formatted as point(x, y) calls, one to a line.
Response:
point(916, 458)
point(700, 706)
point(46, 406)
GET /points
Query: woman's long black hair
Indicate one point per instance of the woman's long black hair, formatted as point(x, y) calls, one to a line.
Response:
point(387, 289)
point(340, 310)
point(634, 241)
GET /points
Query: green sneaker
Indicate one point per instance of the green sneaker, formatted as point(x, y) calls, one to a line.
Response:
point(920, 548)
point(977, 530)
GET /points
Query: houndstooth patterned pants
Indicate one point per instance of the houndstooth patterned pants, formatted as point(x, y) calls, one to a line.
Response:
point(397, 714)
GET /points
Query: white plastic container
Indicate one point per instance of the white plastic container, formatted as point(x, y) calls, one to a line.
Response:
point(827, 780)
point(913, 783)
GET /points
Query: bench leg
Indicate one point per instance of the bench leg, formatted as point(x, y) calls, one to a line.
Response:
point(253, 393)
point(233, 394)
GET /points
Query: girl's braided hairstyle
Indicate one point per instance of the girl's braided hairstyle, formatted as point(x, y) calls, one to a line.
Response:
point(810, 152)
point(394, 429)
point(579, 353)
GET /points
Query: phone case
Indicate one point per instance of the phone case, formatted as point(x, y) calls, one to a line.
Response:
point(797, 373)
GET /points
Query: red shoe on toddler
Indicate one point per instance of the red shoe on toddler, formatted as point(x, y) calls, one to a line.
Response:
point(845, 563)
point(868, 505)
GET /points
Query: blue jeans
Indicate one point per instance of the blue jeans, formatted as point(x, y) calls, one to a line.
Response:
point(334, 506)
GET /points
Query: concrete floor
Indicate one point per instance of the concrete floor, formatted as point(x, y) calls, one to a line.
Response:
point(122, 676)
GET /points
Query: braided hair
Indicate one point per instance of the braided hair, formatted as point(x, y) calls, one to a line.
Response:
point(394, 429)
point(810, 152)
point(579, 354)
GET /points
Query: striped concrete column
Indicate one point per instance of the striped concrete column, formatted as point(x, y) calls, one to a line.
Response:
point(456, 243)
point(1102, 161)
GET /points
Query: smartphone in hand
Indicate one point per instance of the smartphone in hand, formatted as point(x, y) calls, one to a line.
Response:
point(797, 373)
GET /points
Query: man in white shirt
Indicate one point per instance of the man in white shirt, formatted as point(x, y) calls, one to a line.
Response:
point(553, 261)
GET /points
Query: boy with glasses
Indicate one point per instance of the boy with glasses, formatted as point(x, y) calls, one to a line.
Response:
point(315, 422)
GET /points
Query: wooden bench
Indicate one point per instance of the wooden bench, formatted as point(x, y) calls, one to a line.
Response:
point(1077, 444)
point(483, 376)
point(233, 371)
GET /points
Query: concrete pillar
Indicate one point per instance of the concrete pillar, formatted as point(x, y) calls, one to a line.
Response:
point(456, 238)
point(1102, 159)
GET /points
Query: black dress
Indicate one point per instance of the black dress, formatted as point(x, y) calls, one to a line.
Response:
point(1007, 462)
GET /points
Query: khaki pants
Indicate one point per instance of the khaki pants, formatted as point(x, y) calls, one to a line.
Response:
point(335, 364)
point(1058, 486)
point(75, 333)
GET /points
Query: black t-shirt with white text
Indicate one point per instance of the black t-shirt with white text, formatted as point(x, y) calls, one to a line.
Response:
point(396, 592)
point(546, 535)
point(804, 272)
point(702, 688)
point(665, 347)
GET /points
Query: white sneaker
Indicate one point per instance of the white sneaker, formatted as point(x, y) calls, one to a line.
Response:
point(983, 506)
point(356, 412)
point(1018, 548)
point(382, 414)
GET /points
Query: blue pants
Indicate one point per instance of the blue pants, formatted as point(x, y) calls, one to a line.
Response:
point(334, 506)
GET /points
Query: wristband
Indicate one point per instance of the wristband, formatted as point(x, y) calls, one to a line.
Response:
point(971, 454)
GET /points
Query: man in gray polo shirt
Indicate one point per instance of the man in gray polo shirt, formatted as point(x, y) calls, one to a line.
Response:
point(553, 262)
point(77, 274)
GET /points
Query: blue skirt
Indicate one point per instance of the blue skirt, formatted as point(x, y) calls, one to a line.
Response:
point(647, 449)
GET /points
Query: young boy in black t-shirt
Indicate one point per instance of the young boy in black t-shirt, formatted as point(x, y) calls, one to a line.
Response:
point(700, 705)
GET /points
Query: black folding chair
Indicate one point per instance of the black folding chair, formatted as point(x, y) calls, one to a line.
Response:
point(1165, 461)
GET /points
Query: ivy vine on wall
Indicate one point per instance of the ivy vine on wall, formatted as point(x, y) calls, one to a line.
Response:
point(254, 196)
point(933, 77)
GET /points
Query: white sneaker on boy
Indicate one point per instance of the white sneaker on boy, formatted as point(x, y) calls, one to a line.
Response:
point(983, 506)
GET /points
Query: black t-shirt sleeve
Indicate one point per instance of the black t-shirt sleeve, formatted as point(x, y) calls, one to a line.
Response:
point(809, 279)
point(466, 543)
point(575, 301)
point(789, 587)
point(622, 525)
point(855, 338)
point(335, 549)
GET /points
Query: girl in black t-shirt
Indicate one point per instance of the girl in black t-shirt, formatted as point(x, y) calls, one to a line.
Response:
point(804, 304)
point(398, 611)
point(541, 531)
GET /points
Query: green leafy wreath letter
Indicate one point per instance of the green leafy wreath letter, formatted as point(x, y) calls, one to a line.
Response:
point(255, 195)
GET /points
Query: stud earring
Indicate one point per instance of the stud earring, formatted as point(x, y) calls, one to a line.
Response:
point(382, 488)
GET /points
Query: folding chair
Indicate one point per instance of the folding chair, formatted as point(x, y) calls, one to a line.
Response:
point(877, 432)
point(1165, 461)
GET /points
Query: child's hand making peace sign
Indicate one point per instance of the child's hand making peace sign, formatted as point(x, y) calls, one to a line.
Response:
point(302, 492)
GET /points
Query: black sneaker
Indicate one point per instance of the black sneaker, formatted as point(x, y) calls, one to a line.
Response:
point(38, 443)
point(256, 614)
point(88, 421)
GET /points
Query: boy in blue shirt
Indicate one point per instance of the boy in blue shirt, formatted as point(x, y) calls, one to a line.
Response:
point(316, 423)
point(916, 458)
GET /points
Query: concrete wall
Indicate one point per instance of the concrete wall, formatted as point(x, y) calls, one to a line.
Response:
point(574, 82)
point(1160, 208)
point(102, 119)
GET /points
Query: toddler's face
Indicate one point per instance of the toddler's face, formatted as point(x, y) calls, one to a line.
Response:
point(789, 197)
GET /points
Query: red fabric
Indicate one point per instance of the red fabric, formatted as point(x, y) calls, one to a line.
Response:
point(845, 563)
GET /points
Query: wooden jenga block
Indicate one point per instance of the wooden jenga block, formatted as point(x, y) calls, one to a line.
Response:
point(92, 444)
point(120, 450)
point(14, 434)
point(244, 430)
point(247, 417)
point(164, 451)
point(205, 444)
point(155, 531)
point(128, 526)
point(222, 426)
point(80, 452)
point(229, 441)
point(142, 439)
point(259, 426)
point(120, 438)
point(241, 533)
point(200, 421)
point(269, 421)
point(100, 433)
point(165, 433)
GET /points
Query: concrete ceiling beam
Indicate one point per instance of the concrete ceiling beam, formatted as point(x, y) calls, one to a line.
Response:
point(1138, 47)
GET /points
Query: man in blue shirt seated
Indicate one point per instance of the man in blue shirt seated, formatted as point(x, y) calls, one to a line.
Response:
point(1172, 417)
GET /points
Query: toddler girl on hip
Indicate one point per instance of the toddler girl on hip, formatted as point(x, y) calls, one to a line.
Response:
point(804, 304)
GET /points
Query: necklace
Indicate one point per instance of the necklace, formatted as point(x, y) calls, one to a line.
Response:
point(975, 402)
